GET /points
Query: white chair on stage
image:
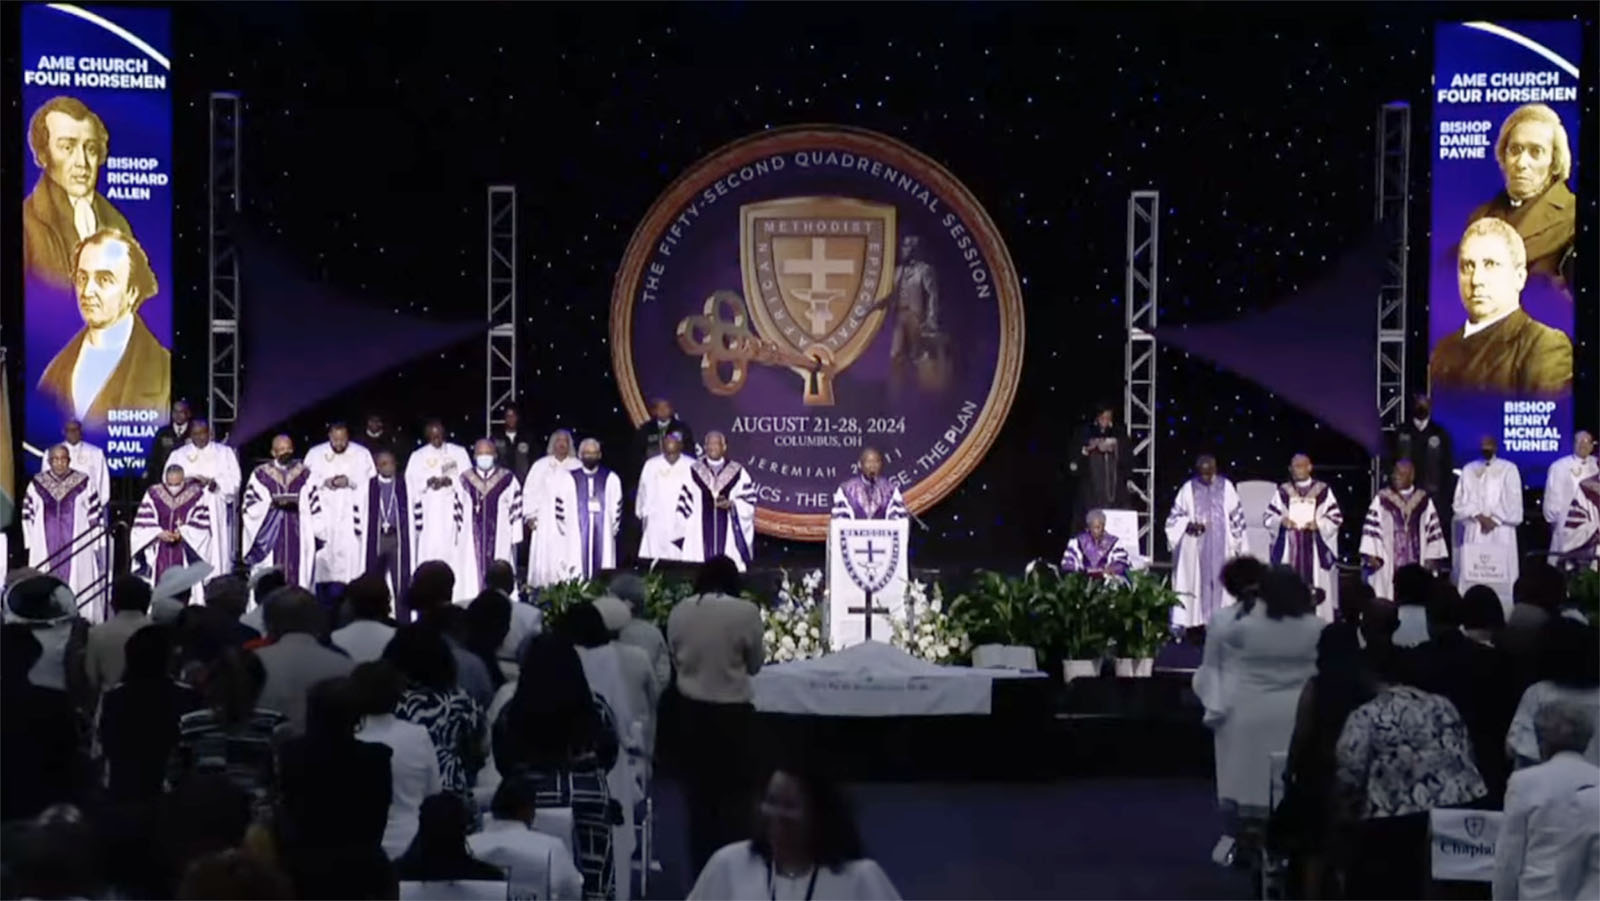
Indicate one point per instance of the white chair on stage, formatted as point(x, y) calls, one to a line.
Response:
point(1254, 496)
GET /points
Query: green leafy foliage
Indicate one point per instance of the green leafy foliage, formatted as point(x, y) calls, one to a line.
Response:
point(556, 599)
point(1068, 616)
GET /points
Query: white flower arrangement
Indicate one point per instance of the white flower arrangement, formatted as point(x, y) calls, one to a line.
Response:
point(792, 629)
point(926, 630)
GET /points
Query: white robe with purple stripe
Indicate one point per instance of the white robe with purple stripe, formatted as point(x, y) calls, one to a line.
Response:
point(546, 546)
point(656, 503)
point(279, 536)
point(62, 530)
point(1312, 553)
point(709, 531)
point(1401, 529)
point(186, 511)
point(1197, 559)
point(587, 510)
point(493, 524)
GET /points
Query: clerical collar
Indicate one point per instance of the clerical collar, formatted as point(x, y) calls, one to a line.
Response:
point(112, 338)
point(663, 422)
point(591, 470)
point(1421, 424)
point(716, 464)
point(1514, 201)
point(1302, 484)
point(385, 480)
point(1406, 492)
point(511, 436)
point(374, 434)
point(1470, 329)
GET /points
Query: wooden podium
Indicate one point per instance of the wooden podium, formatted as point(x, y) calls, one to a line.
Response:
point(866, 579)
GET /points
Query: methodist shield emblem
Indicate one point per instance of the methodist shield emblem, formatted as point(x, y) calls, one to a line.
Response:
point(814, 273)
point(871, 555)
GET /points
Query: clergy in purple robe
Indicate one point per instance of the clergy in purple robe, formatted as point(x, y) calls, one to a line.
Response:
point(62, 529)
point(1581, 535)
point(1205, 529)
point(494, 517)
point(1095, 552)
point(1304, 519)
point(587, 510)
point(1401, 528)
point(277, 513)
point(719, 504)
point(172, 528)
point(868, 494)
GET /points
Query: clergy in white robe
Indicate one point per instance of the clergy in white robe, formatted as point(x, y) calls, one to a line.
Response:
point(278, 512)
point(1304, 519)
point(494, 519)
point(1205, 529)
point(662, 485)
point(389, 536)
point(1488, 509)
point(1582, 528)
point(216, 468)
point(438, 510)
point(1095, 552)
point(867, 494)
point(172, 528)
point(63, 530)
point(1560, 487)
point(547, 544)
point(719, 507)
point(340, 472)
point(86, 458)
point(587, 510)
point(1402, 527)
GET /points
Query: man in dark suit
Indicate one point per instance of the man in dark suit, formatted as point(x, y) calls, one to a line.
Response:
point(1500, 349)
point(1536, 159)
point(113, 362)
point(511, 447)
point(171, 437)
point(69, 145)
point(1427, 445)
point(647, 443)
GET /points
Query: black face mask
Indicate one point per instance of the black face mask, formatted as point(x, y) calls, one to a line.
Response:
point(285, 458)
point(1488, 453)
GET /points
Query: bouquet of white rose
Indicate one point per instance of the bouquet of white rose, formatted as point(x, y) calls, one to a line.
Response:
point(793, 626)
point(925, 628)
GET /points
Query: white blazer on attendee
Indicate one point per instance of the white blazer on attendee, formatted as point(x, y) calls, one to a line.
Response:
point(537, 865)
point(1549, 843)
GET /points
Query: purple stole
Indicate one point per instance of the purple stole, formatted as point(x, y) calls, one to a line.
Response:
point(1210, 507)
point(59, 517)
point(717, 485)
point(1096, 553)
point(868, 500)
point(280, 530)
point(588, 546)
point(485, 521)
point(172, 512)
point(1301, 545)
point(401, 567)
point(1404, 518)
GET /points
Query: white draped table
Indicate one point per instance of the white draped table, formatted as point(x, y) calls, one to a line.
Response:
point(873, 679)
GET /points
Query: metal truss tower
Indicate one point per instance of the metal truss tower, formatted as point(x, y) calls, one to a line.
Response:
point(1140, 293)
point(500, 345)
point(1391, 212)
point(222, 259)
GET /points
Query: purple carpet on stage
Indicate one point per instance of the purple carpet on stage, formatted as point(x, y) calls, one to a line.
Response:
point(1316, 349)
point(306, 341)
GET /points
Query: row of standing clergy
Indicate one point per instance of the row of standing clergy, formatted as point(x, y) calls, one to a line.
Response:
point(1207, 527)
point(341, 511)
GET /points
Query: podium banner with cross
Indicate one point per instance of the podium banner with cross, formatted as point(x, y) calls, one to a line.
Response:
point(865, 556)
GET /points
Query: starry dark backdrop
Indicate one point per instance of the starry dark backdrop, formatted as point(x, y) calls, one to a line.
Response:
point(371, 131)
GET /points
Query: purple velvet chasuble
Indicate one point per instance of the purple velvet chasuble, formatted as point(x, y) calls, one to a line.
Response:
point(715, 485)
point(280, 530)
point(58, 515)
point(868, 499)
point(485, 493)
point(590, 522)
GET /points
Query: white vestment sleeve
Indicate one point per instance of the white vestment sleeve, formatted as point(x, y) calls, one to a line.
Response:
point(33, 525)
point(1557, 494)
point(1434, 546)
point(1180, 516)
point(1508, 512)
point(1233, 508)
point(1583, 519)
point(841, 506)
point(641, 499)
point(614, 488)
point(897, 505)
point(1329, 519)
point(195, 530)
point(146, 526)
point(1467, 502)
point(744, 508)
point(252, 513)
point(1372, 537)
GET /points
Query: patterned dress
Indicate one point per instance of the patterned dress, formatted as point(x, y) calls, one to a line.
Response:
point(1404, 752)
point(455, 723)
point(580, 784)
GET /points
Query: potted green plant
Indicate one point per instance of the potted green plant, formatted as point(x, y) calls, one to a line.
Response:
point(1001, 615)
point(557, 598)
point(662, 592)
point(1142, 622)
point(1081, 611)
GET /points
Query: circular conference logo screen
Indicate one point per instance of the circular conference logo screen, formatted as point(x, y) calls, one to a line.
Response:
point(815, 290)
